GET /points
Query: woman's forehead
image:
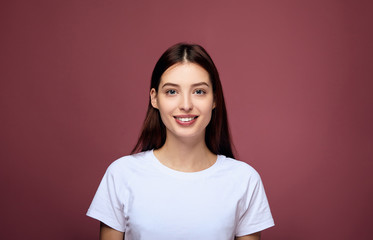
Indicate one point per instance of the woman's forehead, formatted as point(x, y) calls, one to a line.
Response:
point(185, 74)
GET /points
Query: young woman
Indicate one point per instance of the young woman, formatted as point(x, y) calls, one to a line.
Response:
point(181, 181)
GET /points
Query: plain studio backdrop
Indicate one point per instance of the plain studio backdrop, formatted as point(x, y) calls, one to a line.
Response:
point(297, 78)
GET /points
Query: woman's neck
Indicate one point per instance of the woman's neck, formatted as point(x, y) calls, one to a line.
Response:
point(185, 156)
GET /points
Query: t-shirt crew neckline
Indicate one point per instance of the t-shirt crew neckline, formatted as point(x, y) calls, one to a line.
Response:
point(202, 173)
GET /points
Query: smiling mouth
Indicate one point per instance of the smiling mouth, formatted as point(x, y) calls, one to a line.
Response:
point(185, 119)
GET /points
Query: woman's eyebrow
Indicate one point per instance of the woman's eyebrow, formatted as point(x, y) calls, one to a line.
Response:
point(170, 84)
point(193, 85)
point(200, 83)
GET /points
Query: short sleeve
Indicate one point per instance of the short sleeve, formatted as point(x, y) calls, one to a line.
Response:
point(255, 212)
point(106, 205)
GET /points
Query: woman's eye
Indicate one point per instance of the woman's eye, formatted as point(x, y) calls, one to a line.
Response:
point(171, 92)
point(199, 92)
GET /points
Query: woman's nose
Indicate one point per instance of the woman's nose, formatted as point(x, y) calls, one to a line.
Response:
point(186, 103)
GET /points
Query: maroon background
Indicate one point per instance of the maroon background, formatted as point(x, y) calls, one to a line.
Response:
point(297, 77)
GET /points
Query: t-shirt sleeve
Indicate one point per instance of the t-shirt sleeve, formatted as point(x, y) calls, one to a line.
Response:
point(255, 212)
point(106, 205)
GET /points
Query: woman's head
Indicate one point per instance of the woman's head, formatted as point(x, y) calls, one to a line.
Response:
point(217, 135)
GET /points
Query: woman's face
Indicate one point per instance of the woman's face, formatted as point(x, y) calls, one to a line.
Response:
point(185, 100)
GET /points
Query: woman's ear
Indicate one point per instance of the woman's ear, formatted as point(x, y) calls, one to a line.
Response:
point(153, 98)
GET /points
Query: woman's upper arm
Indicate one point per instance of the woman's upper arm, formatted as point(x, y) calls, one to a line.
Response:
point(254, 236)
point(108, 233)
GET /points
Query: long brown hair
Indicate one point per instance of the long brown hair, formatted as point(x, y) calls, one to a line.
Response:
point(217, 136)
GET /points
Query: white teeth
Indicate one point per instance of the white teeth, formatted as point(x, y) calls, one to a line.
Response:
point(186, 119)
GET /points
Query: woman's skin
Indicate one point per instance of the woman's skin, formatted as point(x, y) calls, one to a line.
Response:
point(185, 92)
point(185, 101)
point(108, 233)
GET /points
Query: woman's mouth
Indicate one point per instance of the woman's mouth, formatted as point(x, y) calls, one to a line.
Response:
point(185, 120)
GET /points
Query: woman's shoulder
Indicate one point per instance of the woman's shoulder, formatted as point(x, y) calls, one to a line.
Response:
point(129, 162)
point(238, 167)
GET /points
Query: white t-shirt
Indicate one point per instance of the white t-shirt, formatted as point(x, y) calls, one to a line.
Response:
point(145, 199)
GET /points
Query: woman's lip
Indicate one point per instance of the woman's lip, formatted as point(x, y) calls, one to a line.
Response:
point(185, 123)
point(185, 116)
